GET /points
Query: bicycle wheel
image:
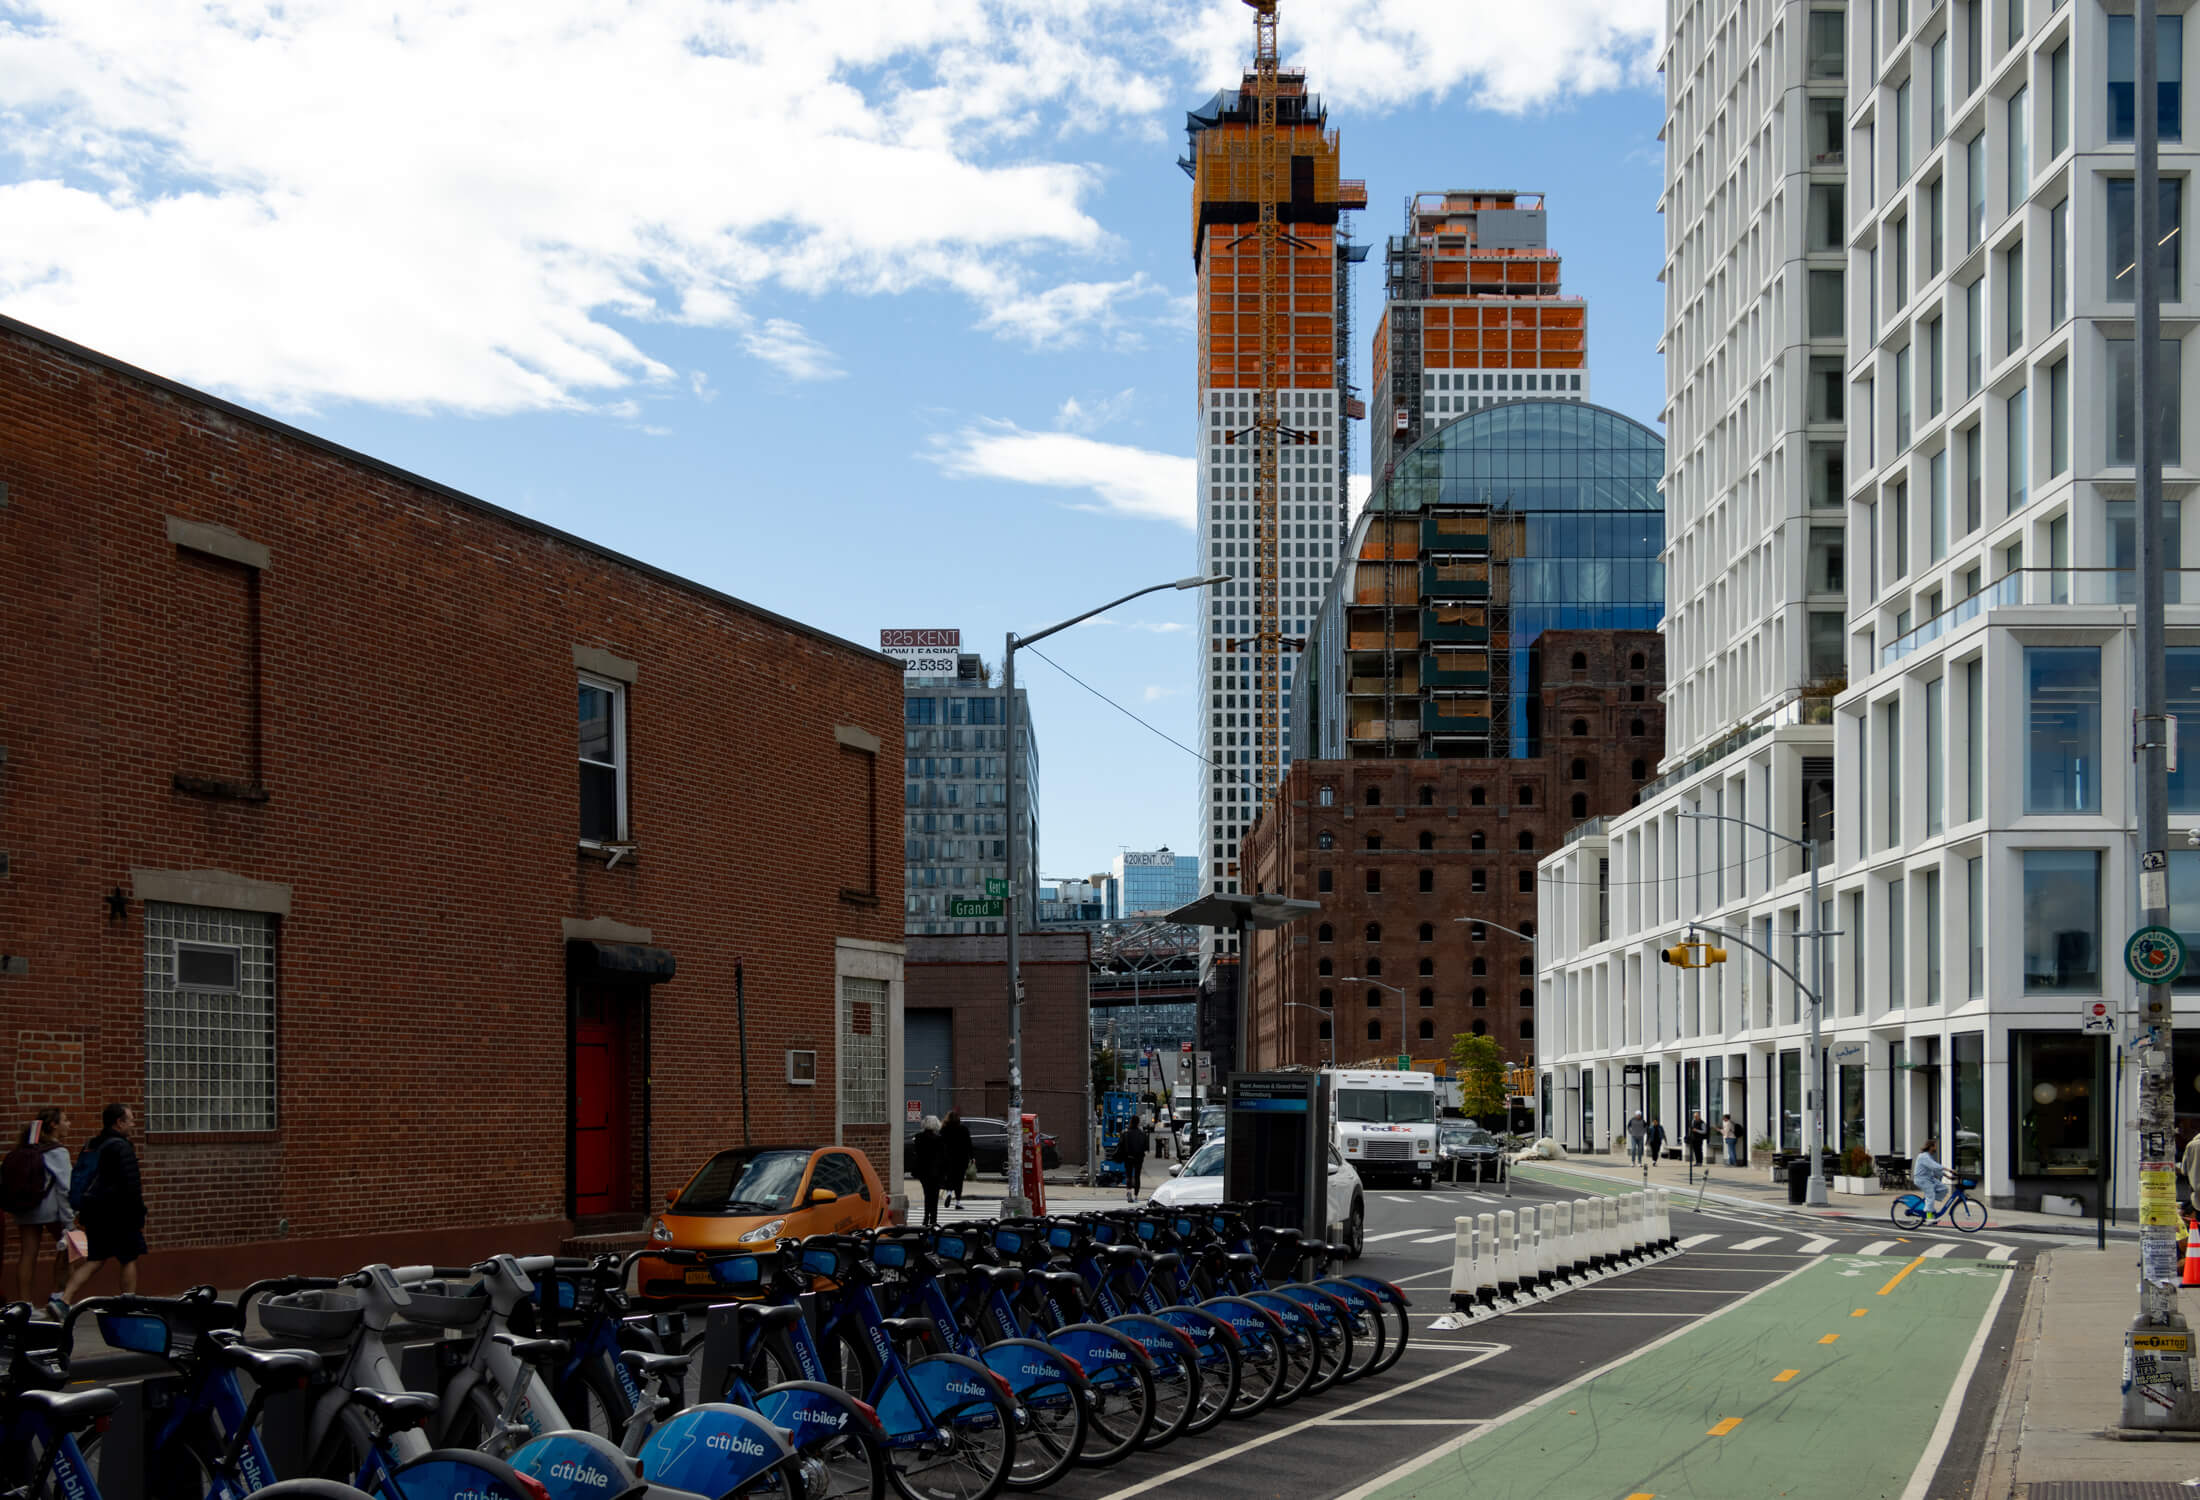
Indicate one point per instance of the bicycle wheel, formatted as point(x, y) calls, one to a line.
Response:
point(1221, 1363)
point(1365, 1316)
point(1176, 1380)
point(1333, 1327)
point(1907, 1212)
point(842, 1457)
point(1967, 1214)
point(1119, 1390)
point(1050, 1435)
point(1302, 1347)
point(973, 1460)
point(1263, 1370)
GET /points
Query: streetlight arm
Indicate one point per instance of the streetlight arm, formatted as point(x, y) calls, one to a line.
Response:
point(1772, 833)
point(1181, 583)
point(1356, 979)
point(1737, 938)
point(1525, 937)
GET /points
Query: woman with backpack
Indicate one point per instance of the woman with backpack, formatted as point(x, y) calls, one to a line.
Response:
point(34, 1181)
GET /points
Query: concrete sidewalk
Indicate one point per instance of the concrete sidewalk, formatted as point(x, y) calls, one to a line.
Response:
point(1752, 1187)
point(2064, 1393)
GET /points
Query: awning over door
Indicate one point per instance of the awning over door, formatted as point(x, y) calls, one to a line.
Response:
point(635, 962)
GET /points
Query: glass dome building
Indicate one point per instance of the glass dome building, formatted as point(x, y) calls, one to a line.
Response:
point(1504, 523)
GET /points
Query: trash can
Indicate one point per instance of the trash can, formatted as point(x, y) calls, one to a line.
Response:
point(1798, 1179)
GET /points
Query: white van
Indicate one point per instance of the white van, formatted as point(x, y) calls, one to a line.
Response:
point(1385, 1123)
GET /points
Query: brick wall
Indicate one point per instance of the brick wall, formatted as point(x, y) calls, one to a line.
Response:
point(399, 679)
point(968, 976)
point(1603, 733)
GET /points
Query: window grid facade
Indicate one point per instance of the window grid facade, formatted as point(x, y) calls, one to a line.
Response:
point(863, 1050)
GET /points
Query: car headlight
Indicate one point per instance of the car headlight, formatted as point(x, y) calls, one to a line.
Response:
point(659, 1232)
point(763, 1232)
point(1424, 1148)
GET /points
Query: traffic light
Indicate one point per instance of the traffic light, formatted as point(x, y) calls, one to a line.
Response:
point(1694, 954)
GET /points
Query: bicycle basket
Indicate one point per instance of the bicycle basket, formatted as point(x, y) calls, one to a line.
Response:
point(1009, 1241)
point(140, 1333)
point(1061, 1237)
point(890, 1255)
point(1967, 1183)
point(951, 1247)
point(447, 1304)
point(741, 1272)
point(320, 1317)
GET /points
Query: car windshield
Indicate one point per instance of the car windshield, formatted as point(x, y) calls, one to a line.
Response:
point(1386, 1106)
point(1206, 1161)
point(750, 1180)
point(1465, 1135)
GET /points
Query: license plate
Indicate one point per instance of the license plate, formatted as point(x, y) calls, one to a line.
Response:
point(699, 1278)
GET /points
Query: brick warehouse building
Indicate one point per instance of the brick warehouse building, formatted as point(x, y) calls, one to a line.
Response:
point(296, 862)
point(1397, 851)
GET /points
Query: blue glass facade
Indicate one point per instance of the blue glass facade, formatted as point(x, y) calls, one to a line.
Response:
point(1553, 506)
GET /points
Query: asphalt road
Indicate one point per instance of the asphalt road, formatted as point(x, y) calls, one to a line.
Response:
point(1668, 1380)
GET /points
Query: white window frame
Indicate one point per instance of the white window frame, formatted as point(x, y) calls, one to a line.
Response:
point(617, 691)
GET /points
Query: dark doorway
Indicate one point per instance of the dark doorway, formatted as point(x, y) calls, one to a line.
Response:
point(602, 1137)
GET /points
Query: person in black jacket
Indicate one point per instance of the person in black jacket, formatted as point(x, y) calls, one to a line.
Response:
point(113, 1211)
point(954, 1156)
point(1130, 1150)
point(1697, 1131)
point(924, 1164)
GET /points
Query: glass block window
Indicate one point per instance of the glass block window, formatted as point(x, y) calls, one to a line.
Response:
point(863, 1022)
point(209, 1019)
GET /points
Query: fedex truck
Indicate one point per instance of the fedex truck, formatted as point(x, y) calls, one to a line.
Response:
point(1385, 1123)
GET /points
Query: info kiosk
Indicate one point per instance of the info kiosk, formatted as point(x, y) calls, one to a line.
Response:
point(1275, 1150)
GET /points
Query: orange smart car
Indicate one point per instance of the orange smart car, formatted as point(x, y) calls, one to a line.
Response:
point(759, 1195)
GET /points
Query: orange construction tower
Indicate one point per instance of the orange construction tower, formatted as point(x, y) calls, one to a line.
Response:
point(1272, 254)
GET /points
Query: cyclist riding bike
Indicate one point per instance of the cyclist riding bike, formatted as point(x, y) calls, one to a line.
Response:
point(1929, 1177)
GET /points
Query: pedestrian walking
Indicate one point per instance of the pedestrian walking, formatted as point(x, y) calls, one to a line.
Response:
point(1656, 1140)
point(954, 1157)
point(924, 1158)
point(1638, 1131)
point(1731, 1133)
point(35, 1180)
point(110, 1203)
point(1130, 1150)
point(1697, 1133)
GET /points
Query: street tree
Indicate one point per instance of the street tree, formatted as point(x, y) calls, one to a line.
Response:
point(1480, 1070)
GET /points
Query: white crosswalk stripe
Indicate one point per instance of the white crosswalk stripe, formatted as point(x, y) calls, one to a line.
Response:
point(1438, 1239)
point(2001, 1252)
point(1387, 1197)
point(1396, 1234)
point(1815, 1245)
point(1940, 1252)
point(1697, 1239)
point(1877, 1247)
point(1759, 1242)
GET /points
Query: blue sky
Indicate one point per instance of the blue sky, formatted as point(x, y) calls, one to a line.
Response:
point(877, 314)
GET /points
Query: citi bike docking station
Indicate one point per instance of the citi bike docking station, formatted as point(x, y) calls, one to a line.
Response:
point(1512, 1259)
point(942, 1364)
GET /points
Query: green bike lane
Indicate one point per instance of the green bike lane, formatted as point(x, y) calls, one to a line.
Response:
point(1832, 1383)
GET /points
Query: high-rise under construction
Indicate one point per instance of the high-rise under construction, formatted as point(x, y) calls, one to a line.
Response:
point(1272, 254)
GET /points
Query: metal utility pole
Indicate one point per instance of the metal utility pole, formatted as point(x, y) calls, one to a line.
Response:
point(2157, 1374)
point(1814, 1078)
point(1014, 1203)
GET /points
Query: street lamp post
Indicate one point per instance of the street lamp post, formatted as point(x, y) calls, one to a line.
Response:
point(1317, 1010)
point(1402, 1017)
point(1014, 1204)
point(1814, 1103)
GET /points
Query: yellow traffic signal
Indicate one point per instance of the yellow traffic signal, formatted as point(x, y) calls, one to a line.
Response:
point(1694, 954)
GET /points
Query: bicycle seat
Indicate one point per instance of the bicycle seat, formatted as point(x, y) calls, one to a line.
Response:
point(922, 1329)
point(1243, 1260)
point(1316, 1247)
point(649, 1366)
point(396, 1411)
point(766, 1315)
point(1122, 1255)
point(535, 1351)
point(268, 1367)
point(1064, 1280)
point(985, 1278)
point(71, 1411)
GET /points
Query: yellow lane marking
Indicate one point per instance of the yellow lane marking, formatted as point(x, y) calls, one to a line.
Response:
point(1859, 1312)
point(1784, 1376)
point(1897, 1281)
point(1642, 1495)
point(1829, 1338)
point(1724, 1427)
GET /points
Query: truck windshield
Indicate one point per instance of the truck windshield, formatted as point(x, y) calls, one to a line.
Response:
point(1386, 1106)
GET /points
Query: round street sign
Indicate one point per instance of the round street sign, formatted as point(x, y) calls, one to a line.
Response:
point(2155, 955)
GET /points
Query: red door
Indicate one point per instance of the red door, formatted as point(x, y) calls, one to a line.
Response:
point(599, 1106)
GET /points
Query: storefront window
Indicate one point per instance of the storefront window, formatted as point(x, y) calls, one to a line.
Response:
point(2057, 1100)
point(2062, 920)
point(1852, 1106)
point(1791, 1101)
point(1968, 1149)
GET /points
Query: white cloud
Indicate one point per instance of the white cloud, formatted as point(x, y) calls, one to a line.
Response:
point(789, 348)
point(1074, 416)
point(1117, 478)
point(1155, 692)
point(487, 205)
point(1357, 488)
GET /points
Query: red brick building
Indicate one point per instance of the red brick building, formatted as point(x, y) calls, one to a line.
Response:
point(957, 1029)
point(1399, 851)
point(302, 854)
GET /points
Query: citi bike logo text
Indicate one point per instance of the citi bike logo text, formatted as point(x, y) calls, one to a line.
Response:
point(73, 1482)
point(1031, 1369)
point(580, 1474)
point(960, 1388)
point(815, 1418)
point(742, 1444)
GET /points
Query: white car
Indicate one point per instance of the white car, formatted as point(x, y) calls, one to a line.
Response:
point(1200, 1181)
